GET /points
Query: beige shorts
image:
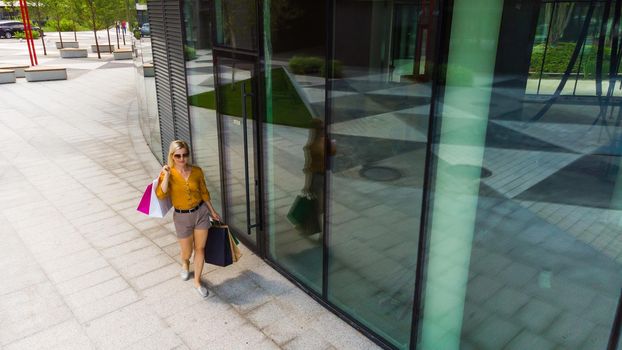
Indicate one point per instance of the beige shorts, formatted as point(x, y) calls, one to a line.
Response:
point(186, 223)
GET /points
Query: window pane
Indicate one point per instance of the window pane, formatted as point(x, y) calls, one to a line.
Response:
point(147, 98)
point(201, 100)
point(525, 241)
point(380, 104)
point(236, 23)
point(294, 136)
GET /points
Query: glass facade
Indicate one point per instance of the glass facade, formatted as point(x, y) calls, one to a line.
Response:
point(446, 180)
point(294, 135)
point(146, 88)
point(201, 93)
point(379, 116)
point(524, 219)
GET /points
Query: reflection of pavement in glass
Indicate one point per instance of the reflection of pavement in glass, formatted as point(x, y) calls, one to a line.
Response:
point(579, 138)
point(205, 149)
point(529, 278)
point(527, 267)
point(521, 158)
point(584, 87)
point(200, 73)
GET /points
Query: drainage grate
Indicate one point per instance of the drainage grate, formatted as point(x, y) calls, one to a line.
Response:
point(380, 173)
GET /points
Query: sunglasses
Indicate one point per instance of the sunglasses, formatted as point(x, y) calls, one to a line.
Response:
point(179, 156)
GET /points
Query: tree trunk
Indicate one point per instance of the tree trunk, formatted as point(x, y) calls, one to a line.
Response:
point(45, 52)
point(118, 47)
point(95, 32)
point(60, 35)
point(109, 44)
point(75, 35)
point(573, 59)
point(560, 21)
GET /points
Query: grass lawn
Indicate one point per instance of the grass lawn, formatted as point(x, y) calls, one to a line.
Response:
point(288, 108)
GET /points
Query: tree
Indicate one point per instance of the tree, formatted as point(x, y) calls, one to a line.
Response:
point(109, 12)
point(102, 15)
point(13, 13)
point(77, 13)
point(559, 21)
point(56, 10)
point(40, 24)
point(92, 9)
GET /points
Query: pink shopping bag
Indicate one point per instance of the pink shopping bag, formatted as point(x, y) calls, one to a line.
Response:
point(143, 206)
point(151, 205)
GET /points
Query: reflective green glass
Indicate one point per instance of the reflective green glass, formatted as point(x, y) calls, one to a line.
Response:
point(525, 235)
point(200, 83)
point(380, 105)
point(294, 136)
point(236, 80)
point(236, 24)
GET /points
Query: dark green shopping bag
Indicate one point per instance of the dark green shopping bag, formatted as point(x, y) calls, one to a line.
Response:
point(304, 214)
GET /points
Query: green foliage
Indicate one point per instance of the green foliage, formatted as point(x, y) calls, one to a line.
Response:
point(22, 35)
point(189, 51)
point(288, 108)
point(337, 69)
point(306, 65)
point(310, 65)
point(558, 56)
point(66, 25)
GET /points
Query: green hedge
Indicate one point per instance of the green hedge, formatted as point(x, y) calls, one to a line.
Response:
point(310, 65)
point(22, 35)
point(558, 56)
point(190, 53)
point(288, 107)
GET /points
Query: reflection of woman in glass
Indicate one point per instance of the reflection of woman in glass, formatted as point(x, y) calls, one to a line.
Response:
point(314, 172)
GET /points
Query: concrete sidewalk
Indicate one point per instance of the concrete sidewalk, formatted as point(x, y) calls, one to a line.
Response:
point(80, 268)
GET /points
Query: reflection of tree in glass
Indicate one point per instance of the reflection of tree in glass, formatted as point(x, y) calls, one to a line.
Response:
point(239, 20)
point(282, 12)
point(562, 15)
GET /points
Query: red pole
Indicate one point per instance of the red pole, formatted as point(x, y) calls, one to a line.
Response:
point(21, 7)
point(32, 40)
point(28, 32)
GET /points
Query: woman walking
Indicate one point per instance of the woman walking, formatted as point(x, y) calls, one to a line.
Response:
point(185, 184)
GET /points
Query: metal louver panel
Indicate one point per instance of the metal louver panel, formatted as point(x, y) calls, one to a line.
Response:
point(165, 18)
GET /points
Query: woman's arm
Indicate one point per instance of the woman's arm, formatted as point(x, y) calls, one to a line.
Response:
point(162, 189)
point(212, 211)
point(206, 197)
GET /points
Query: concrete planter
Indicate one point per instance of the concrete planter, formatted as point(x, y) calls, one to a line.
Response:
point(73, 53)
point(148, 70)
point(45, 73)
point(122, 54)
point(7, 76)
point(68, 45)
point(103, 48)
point(19, 70)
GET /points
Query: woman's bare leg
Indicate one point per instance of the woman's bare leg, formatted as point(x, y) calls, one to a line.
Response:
point(200, 237)
point(186, 251)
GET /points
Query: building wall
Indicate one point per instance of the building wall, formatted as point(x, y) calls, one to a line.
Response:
point(459, 161)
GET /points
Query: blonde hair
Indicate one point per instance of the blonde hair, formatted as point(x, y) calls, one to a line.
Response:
point(177, 145)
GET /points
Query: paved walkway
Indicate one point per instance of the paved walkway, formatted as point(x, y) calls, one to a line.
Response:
point(80, 268)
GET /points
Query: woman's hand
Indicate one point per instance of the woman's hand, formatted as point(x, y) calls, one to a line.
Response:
point(166, 170)
point(215, 216)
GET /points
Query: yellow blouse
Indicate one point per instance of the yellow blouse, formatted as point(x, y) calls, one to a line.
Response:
point(185, 194)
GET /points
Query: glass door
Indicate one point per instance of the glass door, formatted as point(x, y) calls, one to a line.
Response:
point(237, 112)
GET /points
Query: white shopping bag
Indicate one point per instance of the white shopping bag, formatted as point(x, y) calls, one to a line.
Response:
point(151, 205)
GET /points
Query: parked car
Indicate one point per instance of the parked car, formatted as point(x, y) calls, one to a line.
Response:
point(145, 29)
point(9, 28)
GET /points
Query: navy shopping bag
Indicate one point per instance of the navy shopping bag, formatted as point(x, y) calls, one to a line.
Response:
point(218, 246)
